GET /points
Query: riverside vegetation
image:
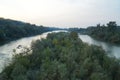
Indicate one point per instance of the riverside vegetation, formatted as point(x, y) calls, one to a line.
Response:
point(108, 33)
point(62, 56)
point(12, 30)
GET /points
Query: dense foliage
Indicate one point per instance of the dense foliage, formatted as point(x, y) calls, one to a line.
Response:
point(11, 30)
point(62, 56)
point(109, 33)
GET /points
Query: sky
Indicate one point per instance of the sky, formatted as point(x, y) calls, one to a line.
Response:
point(62, 13)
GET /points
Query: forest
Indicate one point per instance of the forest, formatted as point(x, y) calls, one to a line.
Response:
point(109, 32)
point(12, 30)
point(62, 56)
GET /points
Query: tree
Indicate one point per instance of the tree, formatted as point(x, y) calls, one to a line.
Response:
point(112, 25)
point(74, 35)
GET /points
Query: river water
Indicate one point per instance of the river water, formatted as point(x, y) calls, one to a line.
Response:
point(6, 51)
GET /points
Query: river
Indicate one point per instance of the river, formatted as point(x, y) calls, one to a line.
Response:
point(6, 51)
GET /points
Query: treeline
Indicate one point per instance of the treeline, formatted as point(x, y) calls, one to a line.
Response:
point(109, 32)
point(11, 30)
point(78, 30)
point(62, 56)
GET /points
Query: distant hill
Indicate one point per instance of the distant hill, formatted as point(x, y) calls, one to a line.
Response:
point(12, 29)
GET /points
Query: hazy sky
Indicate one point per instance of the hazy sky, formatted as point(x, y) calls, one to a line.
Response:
point(62, 13)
